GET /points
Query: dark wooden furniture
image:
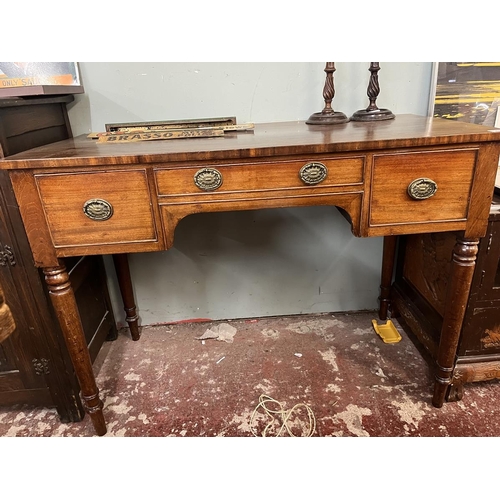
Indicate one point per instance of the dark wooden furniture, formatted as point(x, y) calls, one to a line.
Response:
point(79, 197)
point(419, 297)
point(35, 367)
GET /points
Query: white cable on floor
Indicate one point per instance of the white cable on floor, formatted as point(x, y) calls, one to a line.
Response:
point(285, 415)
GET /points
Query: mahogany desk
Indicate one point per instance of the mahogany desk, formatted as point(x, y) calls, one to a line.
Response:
point(409, 175)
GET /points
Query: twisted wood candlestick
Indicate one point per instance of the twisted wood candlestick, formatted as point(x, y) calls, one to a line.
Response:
point(372, 112)
point(328, 116)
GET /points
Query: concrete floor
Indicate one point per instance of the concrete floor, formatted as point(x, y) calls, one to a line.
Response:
point(344, 379)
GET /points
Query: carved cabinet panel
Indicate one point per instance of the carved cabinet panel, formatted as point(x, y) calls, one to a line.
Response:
point(419, 292)
point(35, 368)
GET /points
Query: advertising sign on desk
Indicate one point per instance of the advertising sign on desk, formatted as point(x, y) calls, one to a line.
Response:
point(19, 79)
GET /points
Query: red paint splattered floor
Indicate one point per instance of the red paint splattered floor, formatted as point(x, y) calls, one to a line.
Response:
point(169, 383)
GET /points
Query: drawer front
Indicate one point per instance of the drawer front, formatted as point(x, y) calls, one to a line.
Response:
point(97, 208)
point(421, 187)
point(264, 176)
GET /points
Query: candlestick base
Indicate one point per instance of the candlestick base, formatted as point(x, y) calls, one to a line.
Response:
point(332, 118)
point(364, 115)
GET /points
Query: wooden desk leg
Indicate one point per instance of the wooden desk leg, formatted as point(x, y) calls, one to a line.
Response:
point(388, 256)
point(63, 300)
point(462, 270)
point(127, 291)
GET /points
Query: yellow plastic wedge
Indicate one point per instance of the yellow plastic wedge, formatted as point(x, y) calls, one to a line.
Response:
point(387, 332)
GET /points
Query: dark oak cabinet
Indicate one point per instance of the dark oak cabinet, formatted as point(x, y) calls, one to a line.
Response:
point(35, 367)
point(418, 297)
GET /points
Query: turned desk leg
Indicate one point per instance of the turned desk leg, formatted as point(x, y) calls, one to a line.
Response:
point(63, 300)
point(462, 270)
point(127, 292)
point(388, 256)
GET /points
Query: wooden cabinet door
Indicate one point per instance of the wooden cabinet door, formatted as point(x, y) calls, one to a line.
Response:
point(20, 362)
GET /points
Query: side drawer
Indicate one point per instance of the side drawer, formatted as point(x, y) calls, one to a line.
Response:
point(117, 207)
point(262, 176)
point(450, 174)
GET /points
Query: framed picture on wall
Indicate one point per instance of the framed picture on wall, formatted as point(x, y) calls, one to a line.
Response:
point(18, 79)
point(466, 91)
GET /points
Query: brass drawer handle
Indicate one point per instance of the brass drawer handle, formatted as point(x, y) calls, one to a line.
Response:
point(313, 173)
point(98, 209)
point(208, 179)
point(422, 188)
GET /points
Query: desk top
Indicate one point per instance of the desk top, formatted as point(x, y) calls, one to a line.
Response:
point(267, 139)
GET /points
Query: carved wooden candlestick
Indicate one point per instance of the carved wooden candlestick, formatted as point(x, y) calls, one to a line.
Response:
point(328, 116)
point(372, 112)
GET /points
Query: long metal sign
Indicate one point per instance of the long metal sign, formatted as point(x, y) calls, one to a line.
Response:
point(157, 135)
point(135, 134)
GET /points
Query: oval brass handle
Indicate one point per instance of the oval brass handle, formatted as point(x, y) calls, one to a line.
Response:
point(313, 173)
point(208, 179)
point(422, 188)
point(98, 209)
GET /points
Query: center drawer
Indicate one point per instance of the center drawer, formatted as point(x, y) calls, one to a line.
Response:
point(97, 208)
point(262, 176)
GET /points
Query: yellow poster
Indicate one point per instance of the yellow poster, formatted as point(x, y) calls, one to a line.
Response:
point(468, 92)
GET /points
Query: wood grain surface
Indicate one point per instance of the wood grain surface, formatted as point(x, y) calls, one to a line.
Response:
point(268, 139)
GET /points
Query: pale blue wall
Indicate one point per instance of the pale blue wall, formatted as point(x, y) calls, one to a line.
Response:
point(255, 263)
